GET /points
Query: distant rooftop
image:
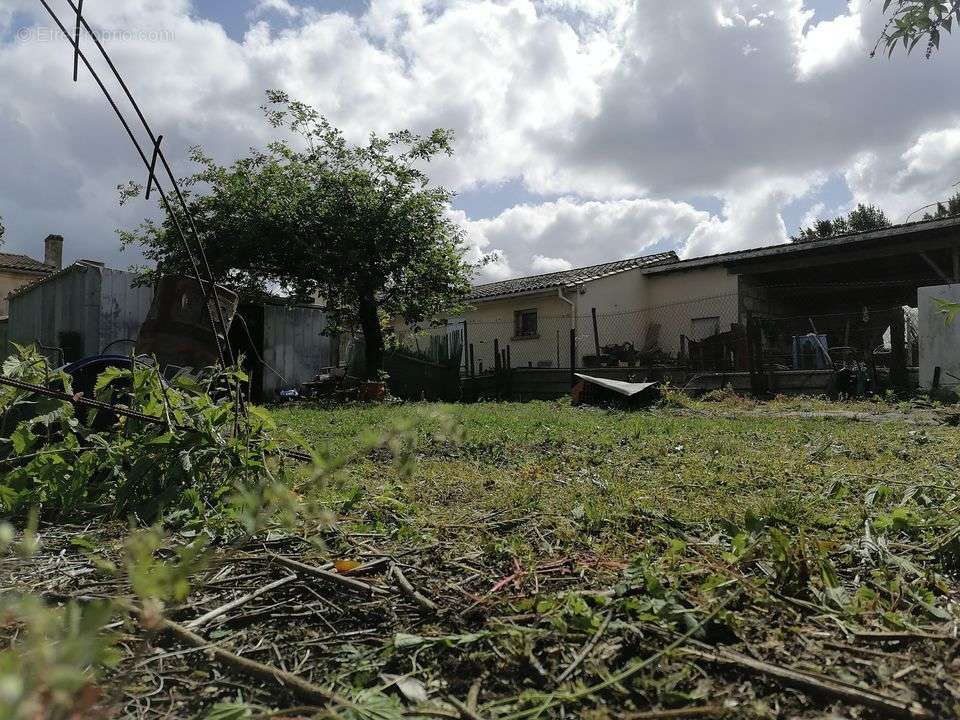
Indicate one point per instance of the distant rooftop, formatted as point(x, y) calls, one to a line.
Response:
point(23, 263)
point(567, 278)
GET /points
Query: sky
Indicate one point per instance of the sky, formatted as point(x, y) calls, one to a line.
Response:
point(586, 130)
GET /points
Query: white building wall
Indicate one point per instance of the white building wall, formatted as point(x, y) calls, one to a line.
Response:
point(683, 303)
point(939, 340)
point(494, 320)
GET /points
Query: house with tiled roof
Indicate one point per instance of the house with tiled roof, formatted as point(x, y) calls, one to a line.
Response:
point(534, 315)
point(18, 270)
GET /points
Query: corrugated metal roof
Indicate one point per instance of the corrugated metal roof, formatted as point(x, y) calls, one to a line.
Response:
point(567, 278)
point(11, 261)
point(894, 232)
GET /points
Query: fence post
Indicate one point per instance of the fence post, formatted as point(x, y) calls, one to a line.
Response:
point(596, 334)
point(573, 357)
point(472, 366)
point(466, 346)
point(496, 366)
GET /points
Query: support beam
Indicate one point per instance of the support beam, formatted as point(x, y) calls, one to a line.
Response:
point(854, 255)
point(936, 268)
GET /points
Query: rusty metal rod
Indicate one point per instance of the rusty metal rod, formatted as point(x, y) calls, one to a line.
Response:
point(226, 354)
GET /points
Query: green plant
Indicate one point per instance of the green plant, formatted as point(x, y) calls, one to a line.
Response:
point(198, 455)
point(913, 21)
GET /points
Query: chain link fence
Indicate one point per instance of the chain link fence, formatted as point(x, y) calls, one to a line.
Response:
point(664, 334)
point(712, 334)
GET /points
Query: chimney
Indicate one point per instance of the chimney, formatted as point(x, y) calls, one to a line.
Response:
point(53, 251)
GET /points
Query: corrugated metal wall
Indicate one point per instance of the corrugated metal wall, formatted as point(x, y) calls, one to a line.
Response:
point(294, 344)
point(123, 309)
point(97, 306)
point(67, 303)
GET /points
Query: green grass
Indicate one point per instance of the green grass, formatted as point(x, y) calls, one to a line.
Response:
point(814, 528)
point(551, 458)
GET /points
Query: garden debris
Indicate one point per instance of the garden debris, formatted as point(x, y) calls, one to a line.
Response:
point(596, 390)
point(559, 594)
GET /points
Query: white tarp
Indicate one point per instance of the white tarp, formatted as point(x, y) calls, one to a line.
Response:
point(623, 388)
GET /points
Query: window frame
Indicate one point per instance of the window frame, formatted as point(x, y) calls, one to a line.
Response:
point(518, 316)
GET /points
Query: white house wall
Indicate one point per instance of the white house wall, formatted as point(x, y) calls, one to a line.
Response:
point(494, 320)
point(631, 307)
point(675, 300)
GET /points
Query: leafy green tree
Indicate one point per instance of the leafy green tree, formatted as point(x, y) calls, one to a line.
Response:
point(948, 208)
point(863, 219)
point(360, 227)
point(911, 22)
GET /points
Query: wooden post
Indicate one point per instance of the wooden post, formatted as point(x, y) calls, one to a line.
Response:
point(755, 357)
point(898, 352)
point(573, 356)
point(466, 347)
point(472, 358)
point(596, 334)
point(935, 385)
point(509, 361)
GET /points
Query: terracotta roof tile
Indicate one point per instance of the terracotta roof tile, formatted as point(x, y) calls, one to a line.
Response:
point(10, 261)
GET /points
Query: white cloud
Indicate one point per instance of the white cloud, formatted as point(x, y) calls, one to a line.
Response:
point(283, 7)
point(569, 233)
point(924, 171)
point(751, 218)
point(542, 264)
point(826, 44)
point(626, 109)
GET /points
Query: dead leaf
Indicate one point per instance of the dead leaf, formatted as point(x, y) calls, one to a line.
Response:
point(345, 566)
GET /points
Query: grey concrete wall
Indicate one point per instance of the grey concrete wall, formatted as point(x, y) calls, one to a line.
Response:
point(939, 341)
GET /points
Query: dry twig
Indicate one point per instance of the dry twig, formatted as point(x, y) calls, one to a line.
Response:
point(233, 604)
point(349, 582)
point(411, 592)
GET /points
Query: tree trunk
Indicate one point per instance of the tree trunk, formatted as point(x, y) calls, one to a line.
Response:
point(372, 336)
